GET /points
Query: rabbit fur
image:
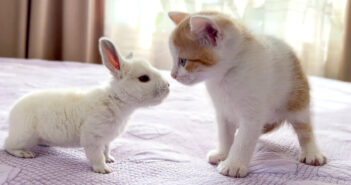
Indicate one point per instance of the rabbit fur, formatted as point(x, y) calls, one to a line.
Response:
point(90, 119)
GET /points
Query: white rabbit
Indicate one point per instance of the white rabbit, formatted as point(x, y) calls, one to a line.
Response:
point(89, 119)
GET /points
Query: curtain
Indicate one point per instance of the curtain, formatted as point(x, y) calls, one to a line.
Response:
point(52, 29)
point(314, 28)
point(345, 67)
point(13, 25)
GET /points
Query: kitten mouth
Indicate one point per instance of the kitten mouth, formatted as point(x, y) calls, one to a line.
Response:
point(186, 81)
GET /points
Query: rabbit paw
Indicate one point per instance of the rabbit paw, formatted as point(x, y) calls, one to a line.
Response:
point(214, 157)
point(104, 169)
point(228, 168)
point(22, 153)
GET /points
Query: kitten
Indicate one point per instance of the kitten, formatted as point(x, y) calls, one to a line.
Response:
point(255, 83)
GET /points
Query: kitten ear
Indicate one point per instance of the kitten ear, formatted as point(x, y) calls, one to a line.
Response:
point(177, 17)
point(205, 29)
point(110, 57)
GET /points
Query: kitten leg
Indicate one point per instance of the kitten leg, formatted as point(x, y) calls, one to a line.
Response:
point(97, 159)
point(108, 157)
point(310, 153)
point(225, 134)
point(237, 162)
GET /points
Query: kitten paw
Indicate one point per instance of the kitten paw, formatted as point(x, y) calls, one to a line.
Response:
point(104, 169)
point(110, 159)
point(314, 159)
point(214, 157)
point(231, 169)
point(21, 153)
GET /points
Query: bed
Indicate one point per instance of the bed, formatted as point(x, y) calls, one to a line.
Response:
point(167, 144)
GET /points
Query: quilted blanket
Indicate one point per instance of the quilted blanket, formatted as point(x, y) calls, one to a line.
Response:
point(167, 144)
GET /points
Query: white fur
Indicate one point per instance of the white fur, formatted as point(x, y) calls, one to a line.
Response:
point(249, 87)
point(89, 119)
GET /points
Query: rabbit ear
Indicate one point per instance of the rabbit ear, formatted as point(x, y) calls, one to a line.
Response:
point(110, 57)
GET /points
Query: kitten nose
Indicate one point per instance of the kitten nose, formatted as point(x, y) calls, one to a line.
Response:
point(174, 75)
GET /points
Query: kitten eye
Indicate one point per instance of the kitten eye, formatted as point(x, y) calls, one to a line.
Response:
point(144, 78)
point(182, 61)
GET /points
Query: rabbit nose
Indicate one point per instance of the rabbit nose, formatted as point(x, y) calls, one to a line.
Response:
point(167, 84)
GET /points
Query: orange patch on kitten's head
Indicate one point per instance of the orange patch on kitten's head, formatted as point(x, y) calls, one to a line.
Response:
point(189, 47)
point(192, 66)
point(190, 44)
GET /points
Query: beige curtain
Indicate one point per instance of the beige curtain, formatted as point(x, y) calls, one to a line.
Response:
point(52, 29)
point(345, 67)
point(13, 27)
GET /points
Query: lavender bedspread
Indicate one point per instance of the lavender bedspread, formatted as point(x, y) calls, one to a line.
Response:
point(167, 144)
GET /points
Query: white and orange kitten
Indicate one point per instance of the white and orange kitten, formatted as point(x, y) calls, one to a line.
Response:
point(256, 83)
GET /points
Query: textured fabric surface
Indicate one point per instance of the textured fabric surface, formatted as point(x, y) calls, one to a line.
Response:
point(167, 144)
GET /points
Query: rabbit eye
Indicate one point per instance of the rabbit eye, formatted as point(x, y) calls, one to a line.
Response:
point(144, 78)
